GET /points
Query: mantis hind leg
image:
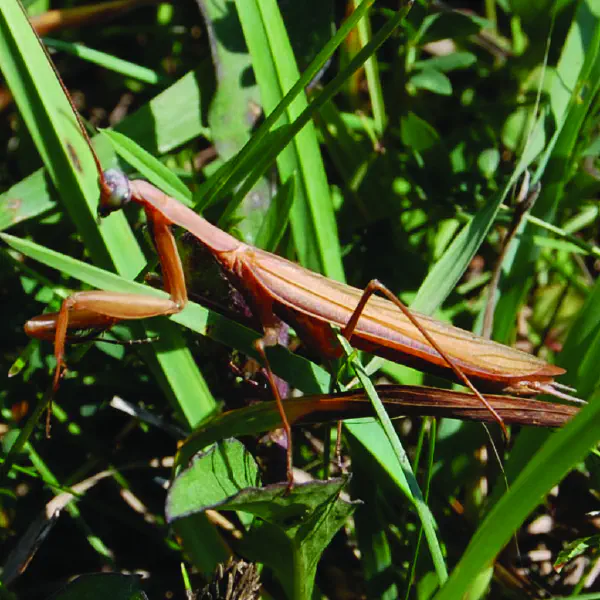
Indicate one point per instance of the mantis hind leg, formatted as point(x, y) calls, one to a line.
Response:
point(376, 286)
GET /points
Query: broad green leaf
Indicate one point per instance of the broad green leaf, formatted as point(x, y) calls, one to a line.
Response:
point(432, 81)
point(449, 62)
point(224, 470)
point(488, 162)
point(302, 520)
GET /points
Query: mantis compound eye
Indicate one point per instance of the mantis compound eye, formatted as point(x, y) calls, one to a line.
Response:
point(116, 192)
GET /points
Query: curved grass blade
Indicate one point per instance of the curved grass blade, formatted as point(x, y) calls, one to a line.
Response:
point(393, 458)
point(149, 166)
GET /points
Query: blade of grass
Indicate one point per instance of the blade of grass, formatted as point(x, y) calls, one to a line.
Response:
point(312, 221)
point(277, 217)
point(372, 73)
point(149, 166)
point(563, 451)
point(108, 61)
point(399, 469)
point(72, 168)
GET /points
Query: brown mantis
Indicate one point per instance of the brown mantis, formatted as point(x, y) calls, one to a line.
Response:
point(275, 289)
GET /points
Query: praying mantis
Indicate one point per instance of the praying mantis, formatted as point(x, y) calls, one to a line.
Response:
point(277, 289)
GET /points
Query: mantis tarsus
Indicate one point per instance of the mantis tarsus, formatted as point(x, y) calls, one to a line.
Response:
point(275, 289)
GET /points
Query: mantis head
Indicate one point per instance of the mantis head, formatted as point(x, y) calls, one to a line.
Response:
point(115, 192)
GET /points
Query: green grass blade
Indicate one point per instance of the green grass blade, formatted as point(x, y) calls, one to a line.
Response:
point(312, 220)
point(372, 73)
point(277, 217)
point(108, 61)
point(394, 460)
point(149, 166)
point(581, 352)
point(56, 133)
point(559, 454)
point(446, 273)
point(71, 166)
